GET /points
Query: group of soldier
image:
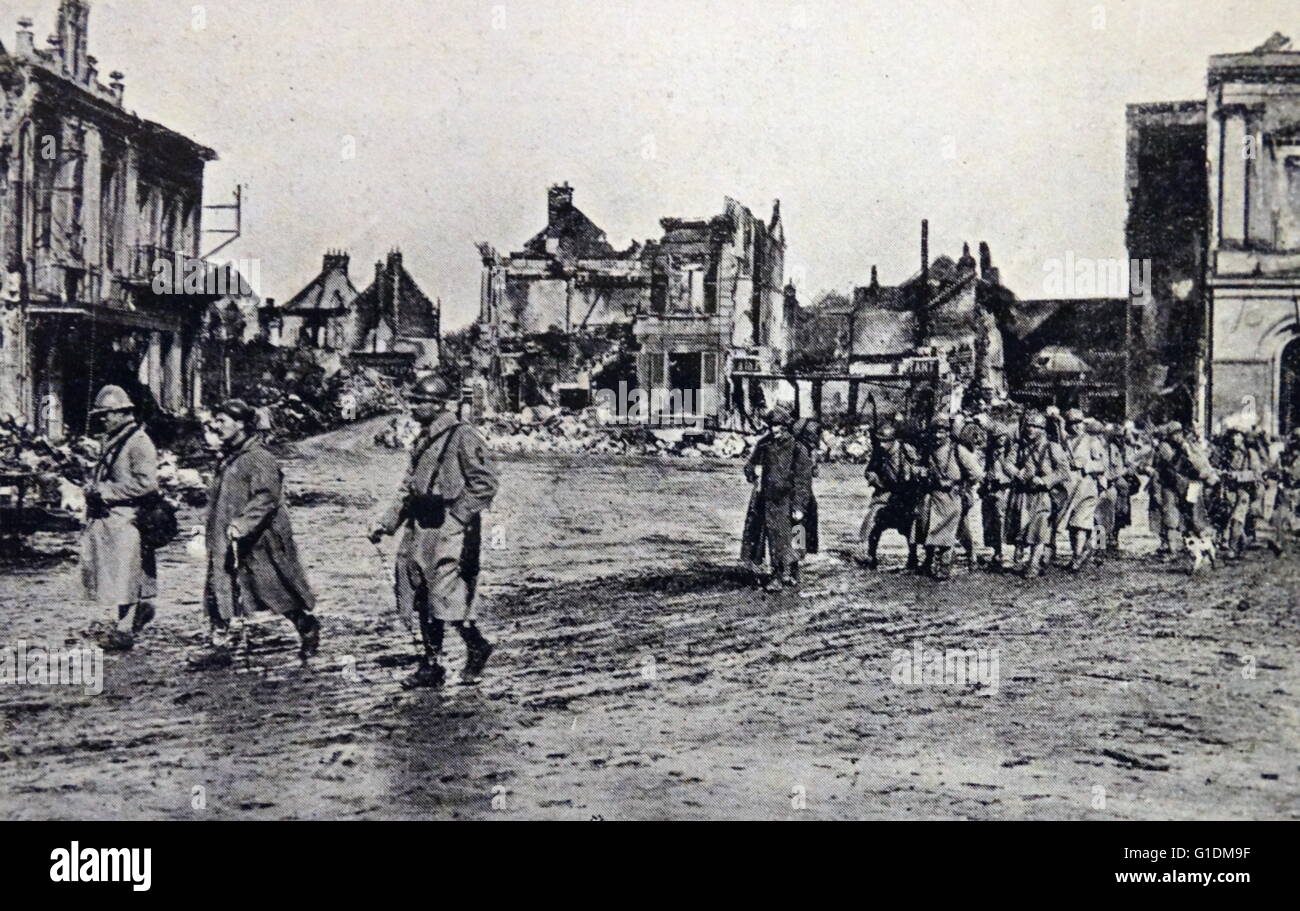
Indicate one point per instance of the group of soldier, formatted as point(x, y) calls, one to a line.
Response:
point(1020, 484)
point(251, 558)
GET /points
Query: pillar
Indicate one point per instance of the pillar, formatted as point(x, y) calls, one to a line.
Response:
point(173, 399)
point(1233, 176)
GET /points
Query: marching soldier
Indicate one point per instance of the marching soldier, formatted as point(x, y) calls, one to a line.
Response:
point(449, 484)
point(782, 469)
point(999, 472)
point(1237, 468)
point(1264, 502)
point(948, 472)
point(892, 476)
point(1043, 469)
point(117, 570)
point(1188, 473)
point(1087, 466)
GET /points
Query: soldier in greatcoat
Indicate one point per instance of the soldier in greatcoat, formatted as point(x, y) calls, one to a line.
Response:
point(1087, 468)
point(948, 471)
point(117, 571)
point(449, 484)
point(782, 470)
point(253, 562)
point(892, 478)
point(1042, 471)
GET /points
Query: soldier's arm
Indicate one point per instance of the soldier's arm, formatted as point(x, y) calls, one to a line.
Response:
point(480, 480)
point(265, 489)
point(971, 466)
point(141, 461)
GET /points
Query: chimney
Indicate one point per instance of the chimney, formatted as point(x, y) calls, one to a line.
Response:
point(987, 272)
point(117, 85)
point(559, 202)
point(25, 45)
point(967, 262)
point(395, 260)
point(875, 280)
point(336, 259)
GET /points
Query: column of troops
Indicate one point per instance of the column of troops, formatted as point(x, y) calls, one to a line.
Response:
point(1021, 485)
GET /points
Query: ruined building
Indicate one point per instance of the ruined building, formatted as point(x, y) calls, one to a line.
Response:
point(703, 309)
point(1214, 203)
point(96, 206)
point(954, 310)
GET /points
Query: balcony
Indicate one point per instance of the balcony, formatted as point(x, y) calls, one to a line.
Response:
point(166, 272)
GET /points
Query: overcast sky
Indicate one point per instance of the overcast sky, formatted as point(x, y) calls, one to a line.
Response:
point(999, 120)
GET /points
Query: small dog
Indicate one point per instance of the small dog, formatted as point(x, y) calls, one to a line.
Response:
point(1202, 551)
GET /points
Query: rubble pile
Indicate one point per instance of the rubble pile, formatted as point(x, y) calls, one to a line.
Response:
point(547, 430)
point(55, 473)
point(305, 402)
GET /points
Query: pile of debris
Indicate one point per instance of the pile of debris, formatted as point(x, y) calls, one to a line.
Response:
point(302, 401)
point(548, 430)
point(52, 476)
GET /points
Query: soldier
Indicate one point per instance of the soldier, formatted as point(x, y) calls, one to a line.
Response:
point(117, 570)
point(1164, 490)
point(784, 489)
point(1112, 500)
point(449, 484)
point(1188, 473)
point(1264, 501)
point(999, 471)
point(1087, 466)
point(892, 476)
point(948, 471)
point(253, 562)
point(1042, 470)
point(972, 434)
point(1237, 468)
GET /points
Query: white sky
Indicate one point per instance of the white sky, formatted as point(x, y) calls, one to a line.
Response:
point(842, 110)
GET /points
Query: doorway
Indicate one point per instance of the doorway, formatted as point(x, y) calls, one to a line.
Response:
point(1289, 388)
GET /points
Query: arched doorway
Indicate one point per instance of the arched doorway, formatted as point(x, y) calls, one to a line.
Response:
point(1289, 388)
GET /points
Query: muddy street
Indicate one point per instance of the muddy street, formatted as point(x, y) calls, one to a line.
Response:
point(639, 676)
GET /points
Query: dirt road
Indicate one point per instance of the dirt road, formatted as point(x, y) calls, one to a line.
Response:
point(639, 677)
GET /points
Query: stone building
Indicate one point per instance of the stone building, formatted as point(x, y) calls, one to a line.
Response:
point(100, 224)
point(705, 305)
point(1214, 203)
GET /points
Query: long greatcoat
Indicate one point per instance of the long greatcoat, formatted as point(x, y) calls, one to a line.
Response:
point(1088, 463)
point(785, 487)
point(953, 471)
point(1041, 475)
point(115, 569)
point(263, 572)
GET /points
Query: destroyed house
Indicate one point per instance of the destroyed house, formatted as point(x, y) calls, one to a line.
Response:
point(100, 215)
point(951, 309)
point(395, 325)
point(705, 303)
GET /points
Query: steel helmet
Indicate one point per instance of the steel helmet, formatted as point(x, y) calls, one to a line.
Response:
point(112, 398)
point(431, 389)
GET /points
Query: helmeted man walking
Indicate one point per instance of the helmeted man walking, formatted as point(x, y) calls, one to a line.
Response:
point(892, 476)
point(781, 468)
point(1088, 465)
point(449, 484)
point(948, 472)
point(1042, 469)
point(117, 570)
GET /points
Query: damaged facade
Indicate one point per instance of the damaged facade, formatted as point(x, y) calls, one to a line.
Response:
point(950, 313)
point(1214, 203)
point(704, 308)
point(93, 200)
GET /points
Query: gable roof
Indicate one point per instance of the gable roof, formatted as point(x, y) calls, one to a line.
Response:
point(331, 291)
point(397, 300)
point(578, 236)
